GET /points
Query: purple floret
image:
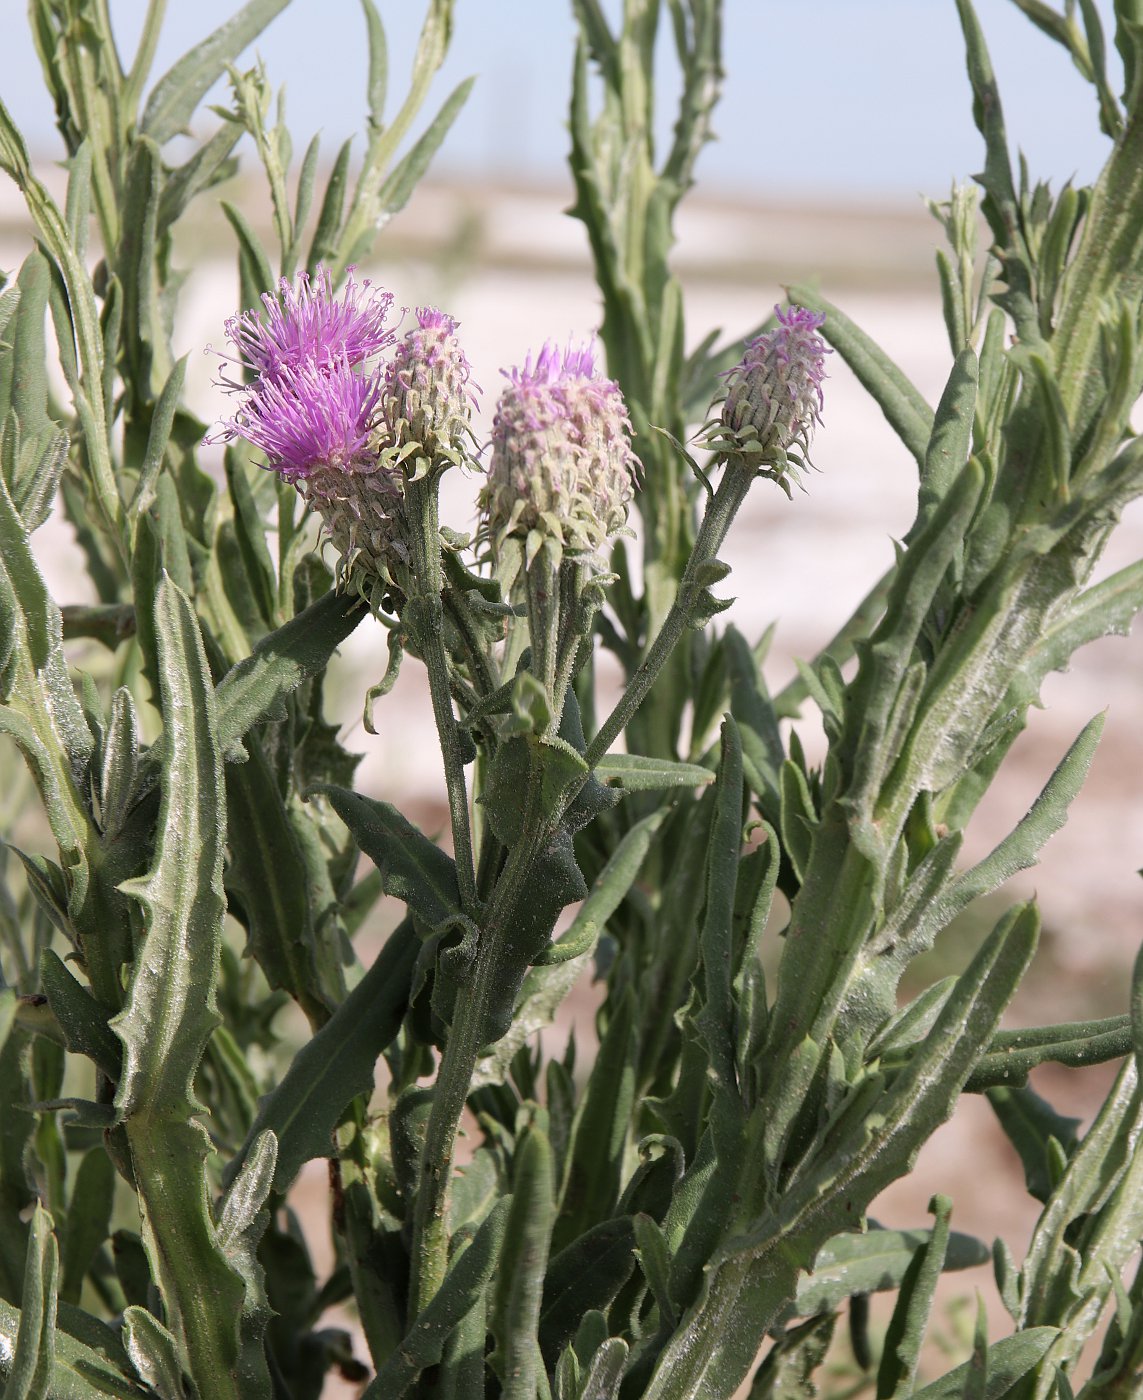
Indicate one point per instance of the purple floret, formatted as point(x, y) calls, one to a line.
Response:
point(305, 323)
point(310, 416)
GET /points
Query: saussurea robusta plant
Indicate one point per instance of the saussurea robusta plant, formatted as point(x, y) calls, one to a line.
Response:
point(693, 1207)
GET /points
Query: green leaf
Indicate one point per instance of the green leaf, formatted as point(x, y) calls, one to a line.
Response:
point(337, 1063)
point(873, 1139)
point(153, 1352)
point(242, 1222)
point(1012, 1055)
point(903, 405)
point(594, 1173)
point(608, 892)
point(873, 1262)
point(1090, 1225)
point(158, 439)
point(43, 713)
point(255, 688)
point(900, 1357)
point(83, 1020)
point(400, 185)
point(1044, 818)
point(605, 1371)
point(587, 1274)
point(799, 819)
point(266, 881)
point(470, 1275)
point(33, 1359)
point(88, 1220)
point(655, 1261)
point(636, 773)
point(144, 342)
point(412, 867)
point(951, 440)
point(171, 1011)
point(209, 166)
point(865, 751)
point(256, 276)
point(557, 967)
point(178, 92)
point(378, 64)
point(515, 1313)
point(80, 1371)
point(787, 1372)
point(1008, 1361)
point(715, 1021)
point(324, 241)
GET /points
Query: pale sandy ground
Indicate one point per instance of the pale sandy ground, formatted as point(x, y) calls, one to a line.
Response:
point(804, 562)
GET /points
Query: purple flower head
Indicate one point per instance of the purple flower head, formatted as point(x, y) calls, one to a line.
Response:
point(774, 396)
point(305, 323)
point(429, 392)
point(311, 415)
point(562, 465)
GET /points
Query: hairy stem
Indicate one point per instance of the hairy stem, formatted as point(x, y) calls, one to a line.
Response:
point(424, 613)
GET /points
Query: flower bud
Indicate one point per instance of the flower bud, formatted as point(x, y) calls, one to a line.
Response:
point(562, 467)
point(429, 395)
point(773, 397)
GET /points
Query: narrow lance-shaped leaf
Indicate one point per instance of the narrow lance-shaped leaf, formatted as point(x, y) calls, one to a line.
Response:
point(412, 867)
point(80, 1371)
point(906, 1333)
point(178, 92)
point(715, 1022)
point(903, 405)
point(255, 688)
point(467, 1279)
point(754, 1274)
point(171, 1011)
point(337, 1063)
point(32, 1364)
point(873, 1262)
point(523, 1263)
point(1009, 1360)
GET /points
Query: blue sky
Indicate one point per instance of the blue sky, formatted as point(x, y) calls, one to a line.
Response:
point(858, 98)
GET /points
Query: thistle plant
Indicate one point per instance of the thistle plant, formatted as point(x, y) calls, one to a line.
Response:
point(691, 1202)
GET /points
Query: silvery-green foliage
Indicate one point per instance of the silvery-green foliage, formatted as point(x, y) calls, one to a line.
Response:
point(690, 1207)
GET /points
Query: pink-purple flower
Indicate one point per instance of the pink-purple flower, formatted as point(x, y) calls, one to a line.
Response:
point(315, 396)
point(314, 405)
point(562, 466)
point(774, 398)
point(306, 323)
point(429, 391)
point(309, 416)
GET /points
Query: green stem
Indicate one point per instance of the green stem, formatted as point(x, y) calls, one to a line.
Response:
point(573, 576)
point(466, 1035)
point(424, 613)
point(458, 1060)
point(720, 512)
point(542, 588)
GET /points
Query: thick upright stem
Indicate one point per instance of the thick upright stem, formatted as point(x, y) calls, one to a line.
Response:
point(425, 616)
point(458, 1060)
point(430, 1226)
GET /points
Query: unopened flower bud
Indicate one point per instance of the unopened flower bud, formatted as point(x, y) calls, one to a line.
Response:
point(429, 394)
point(773, 397)
point(562, 467)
